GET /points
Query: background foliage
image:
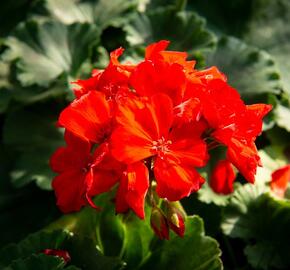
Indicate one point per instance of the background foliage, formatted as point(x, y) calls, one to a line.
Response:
point(46, 44)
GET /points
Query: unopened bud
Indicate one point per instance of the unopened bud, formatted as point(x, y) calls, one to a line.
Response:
point(176, 217)
point(58, 253)
point(159, 223)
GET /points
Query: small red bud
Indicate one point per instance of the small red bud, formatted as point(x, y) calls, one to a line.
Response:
point(175, 218)
point(223, 177)
point(58, 253)
point(159, 223)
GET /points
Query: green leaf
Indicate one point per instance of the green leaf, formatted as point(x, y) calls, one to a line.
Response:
point(282, 116)
point(87, 258)
point(207, 195)
point(224, 16)
point(34, 136)
point(251, 71)
point(39, 261)
point(101, 12)
point(84, 254)
point(33, 244)
point(267, 29)
point(193, 251)
point(262, 222)
point(185, 30)
point(47, 50)
point(272, 158)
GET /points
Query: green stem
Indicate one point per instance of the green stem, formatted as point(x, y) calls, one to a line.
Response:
point(180, 5)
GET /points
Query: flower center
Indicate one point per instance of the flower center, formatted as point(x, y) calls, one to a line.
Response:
point(161, 146)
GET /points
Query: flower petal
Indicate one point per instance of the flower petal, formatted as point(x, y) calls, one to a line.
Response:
point(222, 177)
point(87, 117)
point(175, 181)
point(280, 180)
point(70, 189)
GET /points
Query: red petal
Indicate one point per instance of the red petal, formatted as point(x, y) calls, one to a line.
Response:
point(280, 180)
point(87, 116)
point(150, 78)
point(175, 181)
point(223, 177)
point(221, 104)
point(244, 156)
point(75, 156)
point(70, 189)
point(132, 189)
point(153, 49)
point(138, 183)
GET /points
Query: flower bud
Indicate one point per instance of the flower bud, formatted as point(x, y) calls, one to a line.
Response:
point(58, 253)
point(223, 177)
point(176, 217)
point(159, 223)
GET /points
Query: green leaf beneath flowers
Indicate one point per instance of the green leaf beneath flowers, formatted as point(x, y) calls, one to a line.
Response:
point(40, 261)
point(207, 195)
point(33, 244)
point(186, 30)
point(34, 137)
point(47, 50)
point(26, 252)
point(263, 223)
point(251, 71)
point(193, 251)
point(100, 12)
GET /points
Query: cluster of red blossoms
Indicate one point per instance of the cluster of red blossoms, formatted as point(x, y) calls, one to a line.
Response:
point(145, 128)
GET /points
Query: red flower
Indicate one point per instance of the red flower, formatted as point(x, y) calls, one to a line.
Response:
point(280, 180)
point(143, 131)
point(88, 117)
point(235, 125)
point(223, 177)
point(82, 175)
point(155, 119)
point(109, 81)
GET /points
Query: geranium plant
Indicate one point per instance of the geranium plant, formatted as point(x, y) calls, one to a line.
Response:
point(144, 134)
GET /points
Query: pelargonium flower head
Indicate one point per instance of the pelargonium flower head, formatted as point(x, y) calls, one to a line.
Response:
point(146, 128)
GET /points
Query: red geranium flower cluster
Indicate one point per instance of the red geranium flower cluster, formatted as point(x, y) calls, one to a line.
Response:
point(147, 127)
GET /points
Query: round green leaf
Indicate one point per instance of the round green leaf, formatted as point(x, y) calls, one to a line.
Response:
point(34, 137)
point(268, 29)
point(185, 30)
point(193, 251)
point(251, 71)
point(263, 223)
point(47, 50)
point(101, 12)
